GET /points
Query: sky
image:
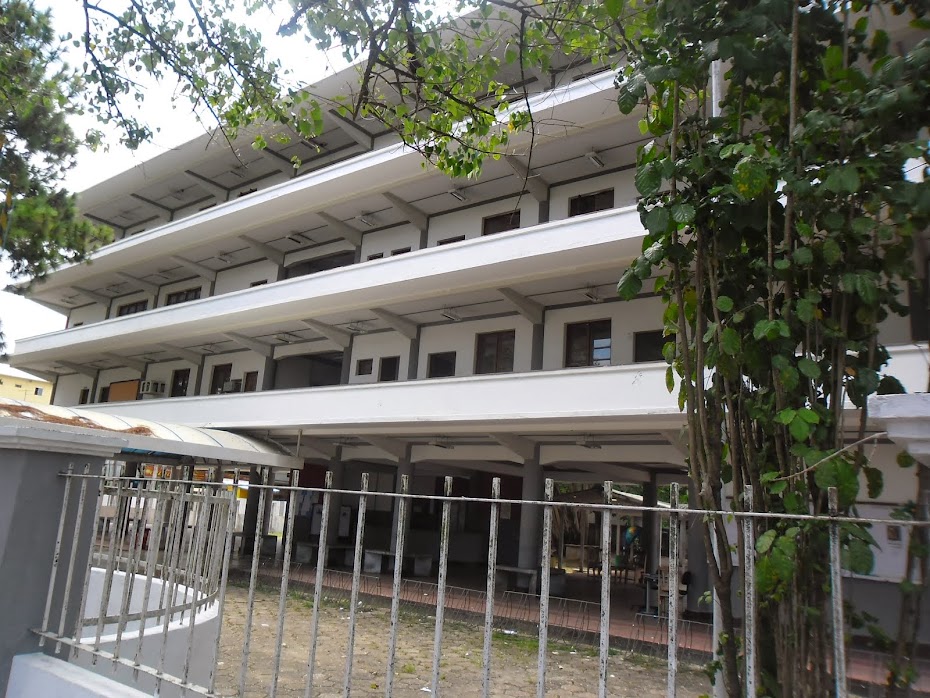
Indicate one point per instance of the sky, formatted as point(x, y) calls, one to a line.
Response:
point(23, 318)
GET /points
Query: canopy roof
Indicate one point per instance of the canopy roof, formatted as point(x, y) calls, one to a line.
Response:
point(158, 440)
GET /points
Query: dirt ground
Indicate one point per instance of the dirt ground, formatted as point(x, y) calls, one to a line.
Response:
point(571, 671)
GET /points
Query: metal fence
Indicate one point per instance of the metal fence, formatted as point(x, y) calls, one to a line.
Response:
point(170, 541)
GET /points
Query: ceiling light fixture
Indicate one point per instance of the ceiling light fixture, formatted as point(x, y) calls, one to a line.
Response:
point(450, 314)
point(588, 442)
point(367, 219)
point(595, 159)
point(591, 294)
point(458, 194)
point(441, 442)
point(357, 327)
point(224, 257)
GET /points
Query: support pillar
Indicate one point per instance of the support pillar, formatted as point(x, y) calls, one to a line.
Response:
point(697, 556)
point(250, 520)
point(531, 516)
point(335, 503)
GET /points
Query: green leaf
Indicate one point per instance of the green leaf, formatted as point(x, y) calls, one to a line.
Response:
point(831, 251)
point(858, 557)
point(750, 178)
point(724, 304)
point(683, 213)
point(629, 285)
point(765, 542)
point(905, 459)
point(648, 179)
point(669, 379)
point(874, 480)
point(841, 474)
point(808, 415)
point(730, 341)
point(656, 220)
point(809, 368)
point(786, 416)
point(799, 429)
point(804, 256)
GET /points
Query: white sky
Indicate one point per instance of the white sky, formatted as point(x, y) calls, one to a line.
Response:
point(23, 318)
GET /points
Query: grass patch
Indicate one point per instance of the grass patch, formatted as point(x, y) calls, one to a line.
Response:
point(408, 669)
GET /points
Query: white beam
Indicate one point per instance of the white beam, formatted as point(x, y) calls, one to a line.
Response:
point(406, 327)
point(221, 194)
point(154, 204)
point(93, 295)
point(324, 448)
point(333, 334)
point(135, 364)
point(267, 251)
point(345, 230)
point(528, 308)
point(416, 217)
point(393, 447)
point(144, 285)
point(78, 368)
point(200, 270)
point(262, 348)
point(534, 184)
point(353, 130)
point(518, 445)
point(180, 352)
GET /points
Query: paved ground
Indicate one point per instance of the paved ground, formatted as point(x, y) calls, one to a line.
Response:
point(572, 671)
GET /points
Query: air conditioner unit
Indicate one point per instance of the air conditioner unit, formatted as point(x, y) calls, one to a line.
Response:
point(232, 386)
point(152, 388)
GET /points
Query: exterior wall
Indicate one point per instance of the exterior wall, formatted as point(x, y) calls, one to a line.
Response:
point(627, 318)
point(242, 277)
point(376, 346)
point(114, 375)
point(163, 372)
point(87, 314)
point(460, 337)
point(242, 362)
point(68, 388)
point(25, 389)
point(622, 182)
point(40, 675)
point(468, 221)
point(193, 282)
point(384, 241)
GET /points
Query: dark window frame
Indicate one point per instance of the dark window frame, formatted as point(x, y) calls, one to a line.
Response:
point(451, 241)
point(84, 396)
point(132, 308)
point(499, 355)
point(177, 373)
point(644, 346)
point(364, 367)
point(401, 250)
point(437, 357)
point(383, 364)
point(376, 255)
point(591, 203)
point(501, 223)
point(216, 387)
point(250, 382)
point(188, 294)
point(590, 328)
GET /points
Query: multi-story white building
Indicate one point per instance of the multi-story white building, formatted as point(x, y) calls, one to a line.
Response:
point(393, 320)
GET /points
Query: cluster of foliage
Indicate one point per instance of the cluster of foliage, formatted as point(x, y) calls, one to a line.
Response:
point(39, 223)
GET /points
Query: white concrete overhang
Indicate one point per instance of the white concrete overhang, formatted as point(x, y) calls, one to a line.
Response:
point(578, 103)
point(610, 398)
point(552, 250)
point(136, 436)
point(906, 418)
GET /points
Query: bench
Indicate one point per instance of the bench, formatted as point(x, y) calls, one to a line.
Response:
point(374, 562)
point(508, 577)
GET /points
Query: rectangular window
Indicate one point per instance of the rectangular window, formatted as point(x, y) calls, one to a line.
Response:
point(84, 396)
point(494, 352)
point(400, 250)
point(77, 324)
point(449, 241)
point(647, 346)
point(441, 365)
point(188, 294)
point(312, 266)
point(180, 379)
point(105, 394)
point(589, 203)
point(131, 308)
point(38, 392)
point(587, 344)
point(363, 367)
point(221, 374)
point(389, 369)
point(250, 382)
point(500, 223)
point(262, 282)
point(376, 255)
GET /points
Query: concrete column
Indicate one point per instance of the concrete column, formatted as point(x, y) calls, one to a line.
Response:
point(30, 506)
point(269, 501)
point(536, 355)
point(404, 467)
point(346, 369)
point(531, 516)
point(413, 364)
point(268, 373)
point(652, 531)
point(250, 521)
point(697, 557)
point(335, 502)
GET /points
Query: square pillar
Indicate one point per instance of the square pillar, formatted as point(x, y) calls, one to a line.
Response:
point(530, 545)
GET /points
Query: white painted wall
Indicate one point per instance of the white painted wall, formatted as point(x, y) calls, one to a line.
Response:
point(68, 389)
point(163, 372)
point(317, 346)
point(193, 282)
point(627, 318)
point(460, 337)
point(87, 314)
point(622, 182)
point(38, 674)
point(384, 241)
point(468, 221)
point(376, 346)
point(243, 277)
point(242, 362)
